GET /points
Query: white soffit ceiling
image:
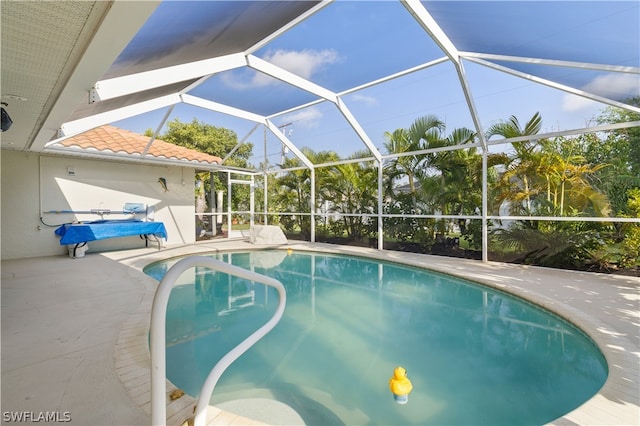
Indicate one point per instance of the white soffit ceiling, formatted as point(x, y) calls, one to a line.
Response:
point(52, 53)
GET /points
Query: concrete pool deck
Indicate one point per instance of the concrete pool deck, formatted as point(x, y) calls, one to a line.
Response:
point(74, 334)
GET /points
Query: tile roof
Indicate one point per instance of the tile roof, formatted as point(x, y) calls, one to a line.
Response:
point(115, 140)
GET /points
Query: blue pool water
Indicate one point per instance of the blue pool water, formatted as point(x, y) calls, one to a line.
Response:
point(474, 355)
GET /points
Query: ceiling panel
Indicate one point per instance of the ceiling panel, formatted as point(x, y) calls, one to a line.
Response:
point(605, 32)
point(617, 86)
point(187, 31)
point(252, 91)
point(328, 49)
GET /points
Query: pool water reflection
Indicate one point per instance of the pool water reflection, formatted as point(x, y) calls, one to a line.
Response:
point(473, 354)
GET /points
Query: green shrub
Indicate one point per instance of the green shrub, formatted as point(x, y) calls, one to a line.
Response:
point(630, 252)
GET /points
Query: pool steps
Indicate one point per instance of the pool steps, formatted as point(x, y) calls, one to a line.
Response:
point(158, 336)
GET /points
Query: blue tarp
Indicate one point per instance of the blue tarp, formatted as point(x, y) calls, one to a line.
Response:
point(74, 233)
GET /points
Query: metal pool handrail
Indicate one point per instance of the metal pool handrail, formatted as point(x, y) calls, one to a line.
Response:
point(158, 335)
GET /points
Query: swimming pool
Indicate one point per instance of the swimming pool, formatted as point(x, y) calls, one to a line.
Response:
point(474, 355)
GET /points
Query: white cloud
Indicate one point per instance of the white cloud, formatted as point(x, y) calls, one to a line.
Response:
point(573, 103)
point(246, 79)
point(306, 118)
point(304, 63)
point(612, 86)
point(367, 100)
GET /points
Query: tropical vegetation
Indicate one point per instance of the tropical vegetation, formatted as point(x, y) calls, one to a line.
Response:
point(590, 175)
point(432, 191)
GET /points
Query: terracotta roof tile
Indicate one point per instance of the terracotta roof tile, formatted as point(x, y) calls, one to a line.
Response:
point(113, 139)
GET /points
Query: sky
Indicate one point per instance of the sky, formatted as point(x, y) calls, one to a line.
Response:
point(350, 43)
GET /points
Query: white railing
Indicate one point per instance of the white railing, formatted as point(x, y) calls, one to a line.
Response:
point(158, 335)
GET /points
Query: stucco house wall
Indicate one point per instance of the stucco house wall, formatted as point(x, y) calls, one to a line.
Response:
point(32, 184)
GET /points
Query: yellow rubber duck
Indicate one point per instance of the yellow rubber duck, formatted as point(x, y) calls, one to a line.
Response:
point(400, 385)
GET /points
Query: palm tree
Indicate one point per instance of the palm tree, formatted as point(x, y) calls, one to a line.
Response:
point(520, 167)
point(423, 132)
point(294, 193)
point(511, 129)
point(568, 177)
point(397, 142)
point(453, 182)
point(456, 171)
point(352, 187)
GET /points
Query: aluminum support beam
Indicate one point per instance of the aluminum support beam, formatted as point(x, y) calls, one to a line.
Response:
point(380, 205)
point(358, 129)
point(75, 127)
point(429, 24)
point(426, 21)
point(133, 83)
point(471, 104)
point(485, 207)
point(276, 131)
point(312, 205)
point(283, 29)
point(555, 85)
point(222, 108)
point(290, 78)
point(551, 62)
